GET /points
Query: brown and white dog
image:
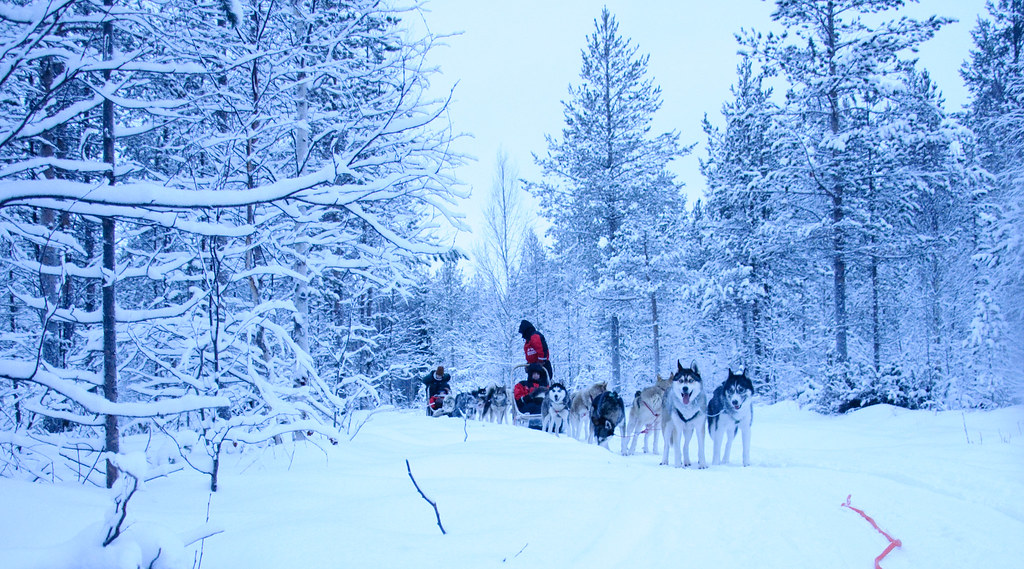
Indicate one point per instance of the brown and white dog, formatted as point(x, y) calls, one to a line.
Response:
point(645, 416)
point(579, 411)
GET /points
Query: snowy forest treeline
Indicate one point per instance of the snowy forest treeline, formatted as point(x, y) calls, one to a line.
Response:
point(228, 221)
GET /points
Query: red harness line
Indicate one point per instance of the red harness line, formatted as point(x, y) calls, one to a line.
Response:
point(893, 543)
point(650, 426)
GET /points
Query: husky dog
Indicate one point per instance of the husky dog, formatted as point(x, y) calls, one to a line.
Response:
point(468, 405)
point(644, 416)
point(731, 409)
point(579, 412)
point(606, 412)
point(554, 410)
point(495, 403)
point(683, 413)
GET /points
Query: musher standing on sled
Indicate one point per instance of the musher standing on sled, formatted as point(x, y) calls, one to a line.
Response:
point(538, 361)
point(437, 388)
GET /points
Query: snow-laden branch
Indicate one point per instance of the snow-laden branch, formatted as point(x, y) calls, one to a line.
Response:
point(124, 316)
point(94, 403)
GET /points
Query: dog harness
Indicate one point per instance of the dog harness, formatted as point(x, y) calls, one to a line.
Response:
point(684, 419)
point(650, 426)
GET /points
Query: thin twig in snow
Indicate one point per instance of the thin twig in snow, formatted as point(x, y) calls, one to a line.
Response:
point(121, 510)
point(198, 563)
point(429, 501)
point(517, 553)
point(360, 427)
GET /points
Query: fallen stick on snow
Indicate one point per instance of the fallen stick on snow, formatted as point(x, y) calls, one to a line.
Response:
point(429, 501)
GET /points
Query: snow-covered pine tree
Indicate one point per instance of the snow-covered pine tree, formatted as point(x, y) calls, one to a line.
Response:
point(747, 257)
point(606, 169)
point(995, 78)
point(909, 216)
point(832, 59)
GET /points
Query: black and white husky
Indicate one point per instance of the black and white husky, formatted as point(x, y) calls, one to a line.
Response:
point(554, 410)
point(496, 403)
point(606, 412)
point(683, 413)
point(468, 405)
point(730, 410)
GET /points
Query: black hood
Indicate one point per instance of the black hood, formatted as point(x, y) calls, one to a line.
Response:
point(526, 329)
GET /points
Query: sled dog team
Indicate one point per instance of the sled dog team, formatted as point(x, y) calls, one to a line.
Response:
point(677, 407)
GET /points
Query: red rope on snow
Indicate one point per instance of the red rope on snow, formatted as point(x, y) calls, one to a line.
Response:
point(893, 543)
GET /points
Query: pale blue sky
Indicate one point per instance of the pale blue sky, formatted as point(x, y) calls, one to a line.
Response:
point(515, 60)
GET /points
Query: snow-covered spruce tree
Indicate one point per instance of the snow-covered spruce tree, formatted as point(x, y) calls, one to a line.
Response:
point(921, 208)
point(747, 258)
point(646, 268)
point(447, 316)
point(995, 77)
point(905, 213)
point(606, 170)
point(832, 60)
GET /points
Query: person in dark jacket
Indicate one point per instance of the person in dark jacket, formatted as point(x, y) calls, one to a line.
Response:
point(438, 388)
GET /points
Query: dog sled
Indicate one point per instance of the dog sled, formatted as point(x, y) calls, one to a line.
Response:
point(524, 419)
point(528, 418)
point(442, 405)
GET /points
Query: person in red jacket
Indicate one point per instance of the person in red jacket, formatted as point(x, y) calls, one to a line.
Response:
point(529, 393)
point(535, 347)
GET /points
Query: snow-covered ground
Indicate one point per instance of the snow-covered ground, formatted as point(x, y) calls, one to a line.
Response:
point(949, 485)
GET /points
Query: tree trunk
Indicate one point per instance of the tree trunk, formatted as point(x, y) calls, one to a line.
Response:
point(656, 339)
point(250, 183)
point(48, 254)
point(113, 438)
point(300, 329)
point(215, 471)
point(839, 276)
point(838, 238)
point(758, 366)
point(616, 365)
point(301, 104)
point(876, 326)
point(300, 297)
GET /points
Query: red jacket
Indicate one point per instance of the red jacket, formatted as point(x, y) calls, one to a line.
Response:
point(534, 349)
point(521, 390)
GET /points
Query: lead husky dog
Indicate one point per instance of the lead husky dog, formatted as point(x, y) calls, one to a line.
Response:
point(683, 413)
point(554, 410)
point(644, 416)
point(496, 405)
point(606, 413)
point(730, 410)
point(579, 412)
